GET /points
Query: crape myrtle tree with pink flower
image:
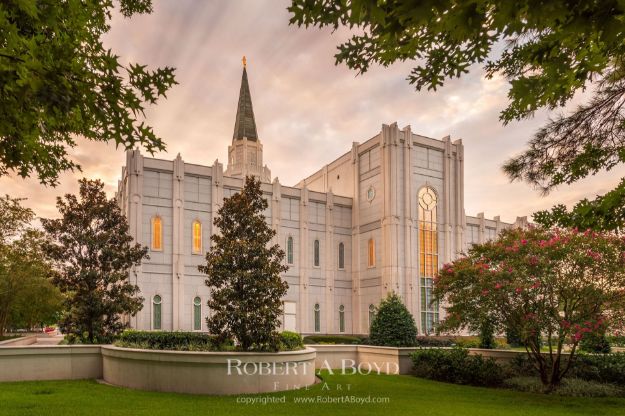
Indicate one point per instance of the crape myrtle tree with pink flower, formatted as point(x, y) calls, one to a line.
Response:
point(555, 283)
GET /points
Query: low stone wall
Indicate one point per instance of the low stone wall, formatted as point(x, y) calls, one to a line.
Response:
point(63, 362)
point(208, 372)
point(388, 360)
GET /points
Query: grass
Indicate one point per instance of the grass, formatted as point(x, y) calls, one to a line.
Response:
point(407, 395)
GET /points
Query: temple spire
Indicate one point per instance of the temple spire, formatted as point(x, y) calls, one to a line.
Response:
point(245, 124)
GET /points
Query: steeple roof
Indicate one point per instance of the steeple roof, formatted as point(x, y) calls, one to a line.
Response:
point(245, 125)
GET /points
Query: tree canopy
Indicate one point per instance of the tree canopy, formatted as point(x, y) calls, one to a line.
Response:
point(243, 268)
point(27, 296)
point(547, 50)
point(61, 85)
point(94, 255)
point(564, 285)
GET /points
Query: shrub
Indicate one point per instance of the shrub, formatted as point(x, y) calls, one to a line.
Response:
point(487, 335)
point(595, 343)
point(604, 368)
point(569, 387)
point(393, 325)
point(332, 339)
point(616, 340)
point(424, 341)
point(467, 342)
point(513, 338)
point(457, 366)
point(290, 341)
point(164, 340)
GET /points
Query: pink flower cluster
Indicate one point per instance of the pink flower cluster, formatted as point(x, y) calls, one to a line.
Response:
point(593, 254)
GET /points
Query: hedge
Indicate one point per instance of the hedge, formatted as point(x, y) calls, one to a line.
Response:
point(333, 339)
point(192, 341)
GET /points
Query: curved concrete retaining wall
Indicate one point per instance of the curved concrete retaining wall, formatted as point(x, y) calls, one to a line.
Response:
point(63, 362)
point(208, 372)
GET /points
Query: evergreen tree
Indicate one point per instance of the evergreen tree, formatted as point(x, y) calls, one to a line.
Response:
point(243, 269)
point(94, 255)
point(393, 325)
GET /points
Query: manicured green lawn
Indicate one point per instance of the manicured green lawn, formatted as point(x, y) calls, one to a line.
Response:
point(407, 396)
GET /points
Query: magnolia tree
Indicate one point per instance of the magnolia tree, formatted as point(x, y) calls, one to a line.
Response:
point(560, 284)
point(243, 267)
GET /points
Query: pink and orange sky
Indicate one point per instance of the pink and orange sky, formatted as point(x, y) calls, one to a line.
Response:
point(308, 111)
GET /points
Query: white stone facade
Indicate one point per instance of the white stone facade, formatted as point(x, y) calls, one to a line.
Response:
point(365, 202)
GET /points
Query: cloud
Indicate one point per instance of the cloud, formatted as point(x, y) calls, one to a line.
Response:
point(308, 111)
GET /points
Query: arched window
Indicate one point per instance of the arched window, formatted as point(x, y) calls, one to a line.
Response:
point(197, 237)
point(316, 255)
point(317, 311)
point(428, 256)
point(156, 312)
point(371, 315)
point(341, 256)
point(197, 313)
point(341, 318)
point(157, 233)
point(371, 251)
point(289, 250)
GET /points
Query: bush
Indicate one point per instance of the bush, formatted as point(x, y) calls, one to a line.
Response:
point(513, 338)
point(487, 335)
point(333, 339)
point(290, 341)
point(393, 325)
point(165, 340)
point(424, 341)
point(457, 366)
point(616, 340)
point(467, 342)
point(569, 387)
point(595, 343)
point(603, 368)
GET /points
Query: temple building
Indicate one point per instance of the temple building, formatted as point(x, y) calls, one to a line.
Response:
point(382, 217)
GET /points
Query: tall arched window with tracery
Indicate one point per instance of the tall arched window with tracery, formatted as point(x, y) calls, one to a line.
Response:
point(428, 256)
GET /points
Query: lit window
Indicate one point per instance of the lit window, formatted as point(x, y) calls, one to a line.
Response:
point(197, 314)
point(316, 253)
point(371, 315)
point(428, 256)
point(371, 262)
point(157, 233)
point(317, 311)
point(341, 318)
point(341, 256)
point(197, 237)
point(156, 312)
point(289, 250)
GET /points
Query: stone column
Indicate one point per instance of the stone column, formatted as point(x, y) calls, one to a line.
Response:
point(304, 264)
point(178, 247)
point(460, 217)
point(390, 218)
point(134, 164)
point(330, 263)
point(356, 296)
point(446, 200)
point(410, 284)
point(276, 199)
